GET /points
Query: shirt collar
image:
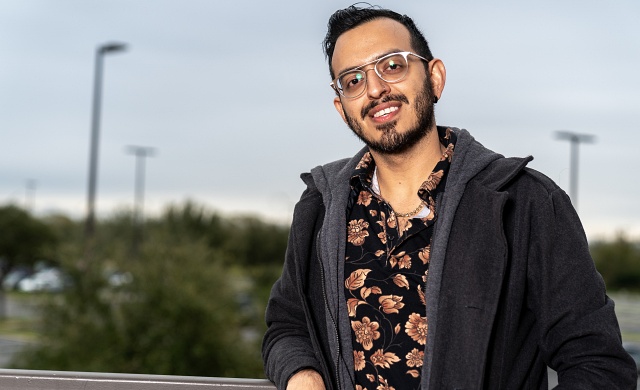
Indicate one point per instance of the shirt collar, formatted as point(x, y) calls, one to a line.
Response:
point(364, 175)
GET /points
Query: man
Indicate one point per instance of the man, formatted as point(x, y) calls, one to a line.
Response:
point(428, 261)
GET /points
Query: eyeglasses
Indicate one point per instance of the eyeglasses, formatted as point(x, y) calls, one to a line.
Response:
point(390, 68)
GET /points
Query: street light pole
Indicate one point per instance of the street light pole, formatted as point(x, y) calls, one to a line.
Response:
point(575, 140)
point(30, 195)
point(141, 154)
point(101, 51)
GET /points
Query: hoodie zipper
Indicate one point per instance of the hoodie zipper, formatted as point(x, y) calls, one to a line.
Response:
point(433, 236)
point(335, 325)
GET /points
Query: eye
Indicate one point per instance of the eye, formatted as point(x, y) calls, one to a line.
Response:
point(392, 65)
point(352, 80)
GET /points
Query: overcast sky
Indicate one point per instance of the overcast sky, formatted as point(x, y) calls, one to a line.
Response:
point(234, 97)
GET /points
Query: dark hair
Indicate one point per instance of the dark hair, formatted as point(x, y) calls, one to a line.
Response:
point(351, 17)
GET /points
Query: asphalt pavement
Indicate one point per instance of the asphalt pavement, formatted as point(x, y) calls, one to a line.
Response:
point(8, 348)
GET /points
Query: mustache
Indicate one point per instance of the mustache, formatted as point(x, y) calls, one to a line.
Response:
point(388, 98)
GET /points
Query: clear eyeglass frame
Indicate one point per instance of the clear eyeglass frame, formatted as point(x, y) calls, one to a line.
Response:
point(361, 75)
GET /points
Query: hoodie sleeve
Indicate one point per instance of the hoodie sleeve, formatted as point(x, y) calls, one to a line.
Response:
point(579, 332)
point(287, 347)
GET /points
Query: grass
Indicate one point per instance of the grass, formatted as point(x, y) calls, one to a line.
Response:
point(22, 325)
point(22, 329)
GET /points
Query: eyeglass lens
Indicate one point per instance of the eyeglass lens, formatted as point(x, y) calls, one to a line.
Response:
point(389, 69)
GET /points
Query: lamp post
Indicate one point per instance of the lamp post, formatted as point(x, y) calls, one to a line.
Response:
point(30, 195)
point(141, 154)
point(575, 140)
point(101, 51)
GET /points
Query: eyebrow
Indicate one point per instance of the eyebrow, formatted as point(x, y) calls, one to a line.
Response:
point(391, 51)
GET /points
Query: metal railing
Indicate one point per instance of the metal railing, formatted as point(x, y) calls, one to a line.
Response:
point(68, 380)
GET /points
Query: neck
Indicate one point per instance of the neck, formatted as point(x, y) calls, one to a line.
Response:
point(400, 176)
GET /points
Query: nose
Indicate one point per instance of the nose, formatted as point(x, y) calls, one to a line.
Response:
point(376, 87)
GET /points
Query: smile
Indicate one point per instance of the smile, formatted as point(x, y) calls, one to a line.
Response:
point(386, 111)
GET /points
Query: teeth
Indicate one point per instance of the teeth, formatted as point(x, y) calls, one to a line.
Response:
point(385, 111)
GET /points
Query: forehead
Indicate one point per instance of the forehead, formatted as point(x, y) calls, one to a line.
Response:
point(368, 42)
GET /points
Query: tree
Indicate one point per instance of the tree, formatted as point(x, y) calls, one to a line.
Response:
point(618, 262)
point(23, 239)
point(193, 305)
point(177, 316)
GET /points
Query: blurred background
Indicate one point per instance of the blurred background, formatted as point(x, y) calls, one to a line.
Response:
point(209, 112)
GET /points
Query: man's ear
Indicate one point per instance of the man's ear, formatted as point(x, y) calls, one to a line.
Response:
point(337, 103)
point(438, 76)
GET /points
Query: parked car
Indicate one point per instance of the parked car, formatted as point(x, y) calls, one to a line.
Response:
point(119, 279)
point(11, 280)
point(48, 279)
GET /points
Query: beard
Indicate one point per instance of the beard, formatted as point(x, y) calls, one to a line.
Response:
point(391, 141)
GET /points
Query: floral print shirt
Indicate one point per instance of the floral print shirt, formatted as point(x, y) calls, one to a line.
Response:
point(386, 268)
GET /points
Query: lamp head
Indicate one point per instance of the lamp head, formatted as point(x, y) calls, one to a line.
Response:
point(575, 137)
point(112, 47)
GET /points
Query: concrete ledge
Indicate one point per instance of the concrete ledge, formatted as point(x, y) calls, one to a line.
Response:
point(59, 380)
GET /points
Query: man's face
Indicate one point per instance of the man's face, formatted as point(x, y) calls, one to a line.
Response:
point(406, 106)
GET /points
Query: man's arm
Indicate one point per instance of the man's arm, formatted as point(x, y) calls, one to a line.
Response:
point(580, 336)
point(286, 347)
point(287, 350)
point(306, 379)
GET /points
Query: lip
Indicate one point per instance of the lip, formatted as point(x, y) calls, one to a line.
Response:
point(392, 107)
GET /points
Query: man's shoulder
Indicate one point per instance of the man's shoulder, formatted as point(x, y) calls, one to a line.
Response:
point(509, 172)
point(339, 166)
point(540, 179)
point(512, 176)
point(334, 167)
point(327, 175)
